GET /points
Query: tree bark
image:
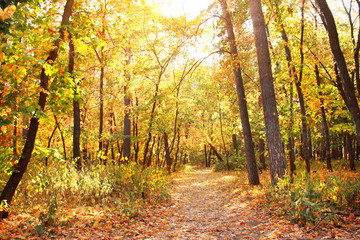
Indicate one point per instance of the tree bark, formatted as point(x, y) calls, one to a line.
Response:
point(273, 135)
point(10, 187)
point(252, 169)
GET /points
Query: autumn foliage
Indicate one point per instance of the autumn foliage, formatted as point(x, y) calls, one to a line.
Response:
point(102, 102)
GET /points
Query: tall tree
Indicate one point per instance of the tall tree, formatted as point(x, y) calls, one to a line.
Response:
point(14, 180)
point(253, 176)
point(273, 135)
point(348, 86)
point(306, 140)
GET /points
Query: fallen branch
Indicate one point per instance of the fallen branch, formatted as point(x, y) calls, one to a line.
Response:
point(318, 223)
point(329, 214)
point(216, 153)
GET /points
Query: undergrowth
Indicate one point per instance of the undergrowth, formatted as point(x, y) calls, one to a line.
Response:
point(126, 188)
point(236, 162)
point(305, 199)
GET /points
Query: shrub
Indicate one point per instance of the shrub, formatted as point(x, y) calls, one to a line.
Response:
point(304, 199)
point(128, 185)
point(236, 162)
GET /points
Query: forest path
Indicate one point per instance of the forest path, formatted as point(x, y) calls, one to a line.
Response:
point(201, 208)
point(206, 205)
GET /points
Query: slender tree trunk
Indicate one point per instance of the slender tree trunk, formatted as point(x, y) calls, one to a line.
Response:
point(305, 137)
point(127, 103)
point(349, 89)
point(76, 108)
point(10, 187)
point(356, 53)
point(350, 150)
point(158, 150)
point(324, 125)
point(62, 137)
point(167, 153)
point(152, 115)
point(177, 151)
point(101, 106)
point(262, 153)
point(151, 151)
point(235, 144)
point(273, 135)
point(15, 138)
point(252, 169)
point(49, 142)
point(135, 134)
point(223, 140)
point(291, 144)
point(205, 153)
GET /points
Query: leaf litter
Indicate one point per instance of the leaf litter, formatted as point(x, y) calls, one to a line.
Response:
point(204, 205)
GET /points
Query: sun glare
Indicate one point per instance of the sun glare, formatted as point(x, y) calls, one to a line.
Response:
point(190, 8)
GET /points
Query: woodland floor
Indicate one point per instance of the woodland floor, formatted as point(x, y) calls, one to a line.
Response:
point(204, 205)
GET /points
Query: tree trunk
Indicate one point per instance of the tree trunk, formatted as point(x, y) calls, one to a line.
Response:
point(62, 136)
point(262, 153)
point(177, 151)
point(252, 169)
point(223, 140)
point(167, 153)
point(135, 134)
point(291, 143)
point(15, 138)
point(149, 160)
point(305, 137)
point(49, 142)
point(101, 117)
point(216, 153)
point(306, 140)
point(14, 180)
point(152, 115)
point(351, 151)
point(344, 146)
point(205, 152)
point(235, 144)
point(127, 103)
point(76, 108)
point(273, 135)
point(349, 89)
point(324, 126)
